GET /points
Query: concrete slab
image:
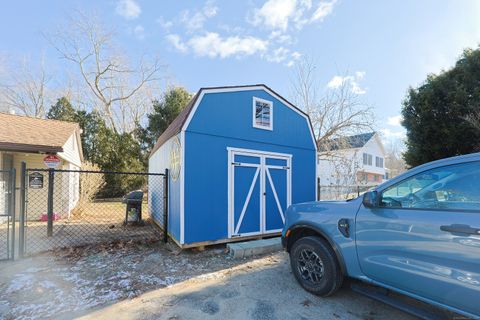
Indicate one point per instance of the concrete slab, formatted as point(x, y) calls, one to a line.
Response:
point(245, 249)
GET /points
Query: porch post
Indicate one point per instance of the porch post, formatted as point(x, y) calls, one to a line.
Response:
point(21, 220)
point(51, 176)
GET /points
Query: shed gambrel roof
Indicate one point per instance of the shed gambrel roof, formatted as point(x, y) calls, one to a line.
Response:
point(179, 122)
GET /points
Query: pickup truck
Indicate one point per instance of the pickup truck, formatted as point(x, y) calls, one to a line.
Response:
point(417, 234)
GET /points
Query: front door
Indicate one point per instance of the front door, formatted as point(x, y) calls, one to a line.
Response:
point(259, 192)
point(424, 237)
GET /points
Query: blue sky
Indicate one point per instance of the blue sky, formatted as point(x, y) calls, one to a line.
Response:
point(381, 46)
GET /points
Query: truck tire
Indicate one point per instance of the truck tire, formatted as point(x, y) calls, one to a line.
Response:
point(315, 266)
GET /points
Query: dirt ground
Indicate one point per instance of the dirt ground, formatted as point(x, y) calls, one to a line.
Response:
point(151, 281)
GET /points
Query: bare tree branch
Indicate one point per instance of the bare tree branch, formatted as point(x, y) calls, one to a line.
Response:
point(337, 113)
point(105, 70)
point(26, 90)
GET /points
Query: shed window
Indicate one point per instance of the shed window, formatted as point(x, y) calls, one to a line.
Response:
point(262, 114)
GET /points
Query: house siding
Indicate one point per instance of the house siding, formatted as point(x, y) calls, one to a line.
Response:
point(353, 171)
point(71, 151)
point(157, 163)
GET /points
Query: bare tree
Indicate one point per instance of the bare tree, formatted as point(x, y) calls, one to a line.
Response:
point(335, 113)
point(25, 90)
point(394, 162)
point(105, 71)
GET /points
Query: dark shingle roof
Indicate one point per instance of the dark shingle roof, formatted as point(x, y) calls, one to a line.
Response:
point(349, 142)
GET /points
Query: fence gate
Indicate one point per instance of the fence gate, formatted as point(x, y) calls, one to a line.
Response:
point(69, 208)
point(7, 214)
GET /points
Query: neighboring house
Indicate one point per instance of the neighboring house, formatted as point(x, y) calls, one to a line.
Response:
point(352, 160)
point(238, 157)
point(25, 139)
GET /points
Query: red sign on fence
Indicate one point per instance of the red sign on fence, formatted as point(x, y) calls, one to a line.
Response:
point(52, 161)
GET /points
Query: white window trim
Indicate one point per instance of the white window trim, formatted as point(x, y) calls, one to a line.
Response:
point(270, 103)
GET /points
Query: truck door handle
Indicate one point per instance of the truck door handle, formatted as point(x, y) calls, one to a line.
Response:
point(460, 228)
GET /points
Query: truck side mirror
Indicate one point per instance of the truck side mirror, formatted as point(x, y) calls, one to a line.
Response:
point(370, 199)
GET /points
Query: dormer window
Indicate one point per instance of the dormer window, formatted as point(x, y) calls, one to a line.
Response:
point(262, 114)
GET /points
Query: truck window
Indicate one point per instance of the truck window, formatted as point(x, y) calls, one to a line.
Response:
point(450, 187)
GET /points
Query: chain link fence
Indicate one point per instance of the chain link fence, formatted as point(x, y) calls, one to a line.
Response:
point(7, 218)
point(67, 208)
point(341, 192)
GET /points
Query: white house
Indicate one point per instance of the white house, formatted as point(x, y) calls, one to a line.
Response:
point(352, 160)
point(29, 140)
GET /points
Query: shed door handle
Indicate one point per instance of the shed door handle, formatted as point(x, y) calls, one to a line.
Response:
point(460, 228)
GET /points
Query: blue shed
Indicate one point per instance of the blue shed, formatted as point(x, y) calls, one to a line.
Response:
point(238, 157)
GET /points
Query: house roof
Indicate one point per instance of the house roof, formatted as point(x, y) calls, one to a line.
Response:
point(348, 142)
point(177, 124)
point(26, 134)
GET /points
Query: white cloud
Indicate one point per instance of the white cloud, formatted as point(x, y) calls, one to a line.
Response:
point(279, 14)
point(280, 37)
point(177, 43)
point(336, 82)
point(323, 10)
point(213, 45)
point(293, 58)
point(139, 32)
point(275, 14)
point(165, 24)
point(210, 10)
point(278, 55)
point(395, 120)
point(356, 88)
point(194, 22)
point(352, 81)
point(387, 133)
point(129, 9)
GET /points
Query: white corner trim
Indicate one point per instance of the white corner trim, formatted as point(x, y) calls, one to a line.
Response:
point(250, 88)
point(254, 112)
point(182, 188)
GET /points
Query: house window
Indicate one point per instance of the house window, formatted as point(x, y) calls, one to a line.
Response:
point(262, 114)
point(367, 159)
point(379, 162)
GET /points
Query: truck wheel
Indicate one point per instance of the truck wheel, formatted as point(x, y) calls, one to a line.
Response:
point(315, 266)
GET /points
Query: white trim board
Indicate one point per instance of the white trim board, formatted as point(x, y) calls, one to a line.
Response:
point(182, 188)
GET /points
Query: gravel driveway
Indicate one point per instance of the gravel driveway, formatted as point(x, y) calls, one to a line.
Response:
point(262, 289)
point(151, 281)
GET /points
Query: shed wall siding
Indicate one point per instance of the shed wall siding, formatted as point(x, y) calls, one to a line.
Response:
point(157, 163)
point(225, 120)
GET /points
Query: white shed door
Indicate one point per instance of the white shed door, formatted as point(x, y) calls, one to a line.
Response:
point(259, 192)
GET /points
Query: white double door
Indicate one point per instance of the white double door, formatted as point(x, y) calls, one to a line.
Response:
point(259, 191)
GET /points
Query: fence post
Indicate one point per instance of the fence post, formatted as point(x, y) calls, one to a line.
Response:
point(318, 189)
point(13, 177)
point(51, 176)
point(165, 207)
point(21, 220)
